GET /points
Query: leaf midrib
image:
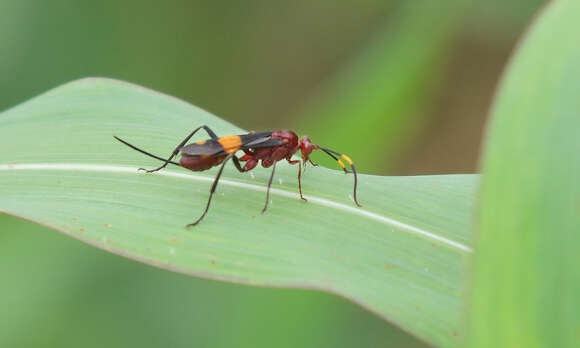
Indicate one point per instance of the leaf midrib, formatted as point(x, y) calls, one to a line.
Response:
point(276, 191)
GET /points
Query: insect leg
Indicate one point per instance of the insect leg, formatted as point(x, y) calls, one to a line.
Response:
point(210, 132)
point(268, 189)
point(314, 164)
point(176, 151)
point(299, 177)
point(211, 191)
point(237, 164)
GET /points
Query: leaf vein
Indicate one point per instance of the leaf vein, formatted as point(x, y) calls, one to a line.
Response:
point(276, 191)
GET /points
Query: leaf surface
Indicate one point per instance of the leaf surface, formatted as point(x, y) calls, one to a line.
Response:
point(402, 255)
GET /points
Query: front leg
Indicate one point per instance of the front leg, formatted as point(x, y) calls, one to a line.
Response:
point(299, 177)
point(251, 162)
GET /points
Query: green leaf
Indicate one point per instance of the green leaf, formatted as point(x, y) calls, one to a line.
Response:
point(526, 281)
point(401, 256)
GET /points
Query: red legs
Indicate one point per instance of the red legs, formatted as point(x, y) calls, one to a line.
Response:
point(299, 177)
point(309, 161)
point(176, 151)
point(268, 189)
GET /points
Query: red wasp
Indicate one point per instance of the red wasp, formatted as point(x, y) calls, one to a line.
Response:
point(268, 147)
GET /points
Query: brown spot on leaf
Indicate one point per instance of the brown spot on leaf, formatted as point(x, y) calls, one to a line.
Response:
point(81, 229)
point(212, 261)
point(107, 225)
point(75, 219)
point(174, 240)
point(390, 267)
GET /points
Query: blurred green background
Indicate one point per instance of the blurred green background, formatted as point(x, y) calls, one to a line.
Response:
point(402, 87)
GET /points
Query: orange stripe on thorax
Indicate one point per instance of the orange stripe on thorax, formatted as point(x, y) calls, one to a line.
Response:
point(231, 143)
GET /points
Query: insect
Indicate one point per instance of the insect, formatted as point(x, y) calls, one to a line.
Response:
point(267, 147)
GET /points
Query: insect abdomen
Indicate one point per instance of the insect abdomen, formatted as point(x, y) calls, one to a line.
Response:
point(200, 163)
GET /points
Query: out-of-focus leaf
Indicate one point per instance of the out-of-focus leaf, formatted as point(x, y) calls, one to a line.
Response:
point(526, 280)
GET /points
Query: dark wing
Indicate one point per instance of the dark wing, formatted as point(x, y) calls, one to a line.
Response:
point(259, 140)
point(213, 147)
point(208, 147)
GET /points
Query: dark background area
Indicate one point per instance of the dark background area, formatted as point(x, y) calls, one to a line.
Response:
point(403, 87)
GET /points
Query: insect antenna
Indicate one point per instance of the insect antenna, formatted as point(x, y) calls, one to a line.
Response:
point(336, 159)
point(145, 152)
point(332, 154)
